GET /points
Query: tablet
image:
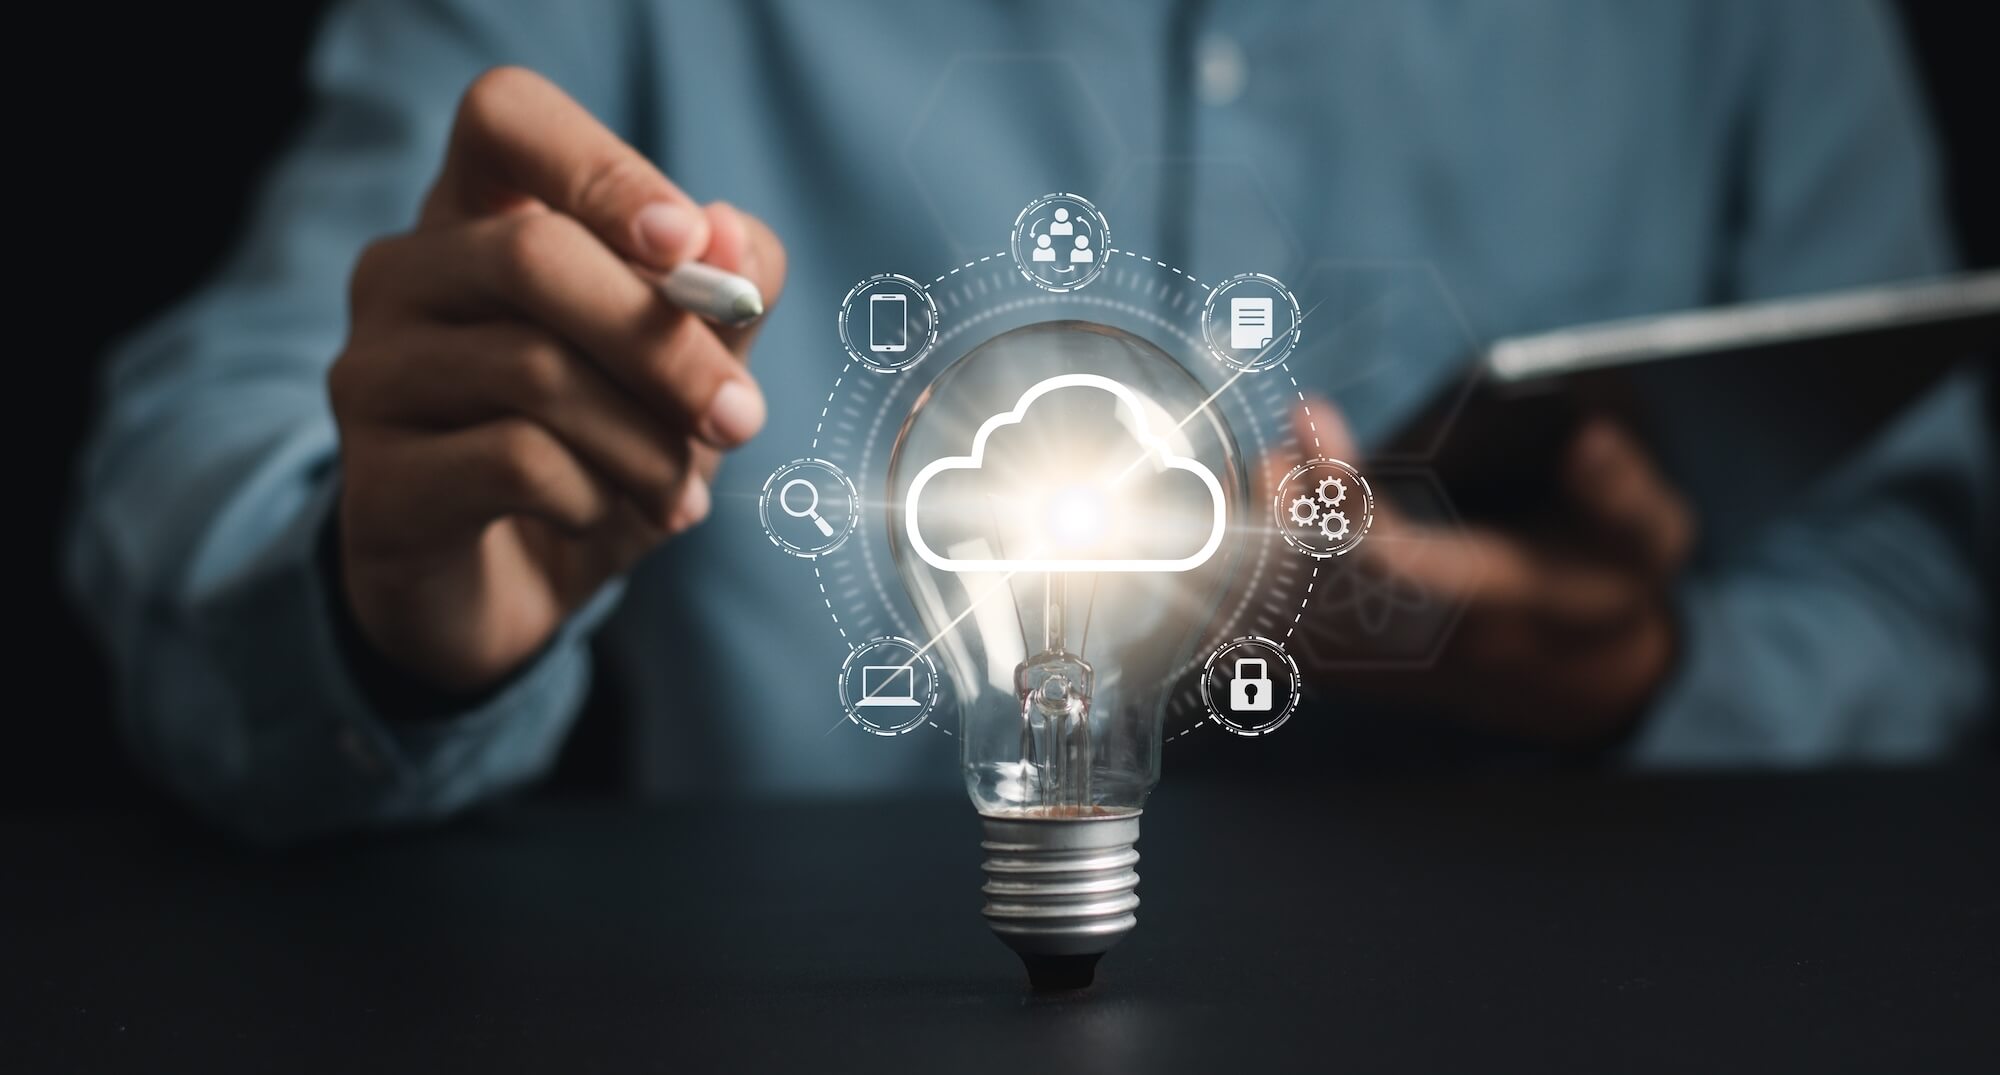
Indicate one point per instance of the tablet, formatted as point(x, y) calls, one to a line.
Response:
point(1851, 359)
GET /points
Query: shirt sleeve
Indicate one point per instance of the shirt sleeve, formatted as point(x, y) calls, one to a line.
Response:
point(213, 468)
point(1854, 628)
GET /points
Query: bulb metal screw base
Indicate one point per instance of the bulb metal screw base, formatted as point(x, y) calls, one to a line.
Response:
point(1061, 891)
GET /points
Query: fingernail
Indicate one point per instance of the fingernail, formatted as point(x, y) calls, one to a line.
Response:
point(693, 507)
point(663, 231)
point(734, 415)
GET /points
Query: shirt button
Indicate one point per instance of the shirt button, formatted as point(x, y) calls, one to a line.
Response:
point(1220, 69)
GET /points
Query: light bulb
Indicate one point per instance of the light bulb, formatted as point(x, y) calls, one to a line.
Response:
point(1060, 502)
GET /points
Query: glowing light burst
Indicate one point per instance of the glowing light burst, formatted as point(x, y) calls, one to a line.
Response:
point(1076, 518)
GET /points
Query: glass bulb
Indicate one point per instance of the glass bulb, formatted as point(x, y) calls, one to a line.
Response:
point(1060, 502)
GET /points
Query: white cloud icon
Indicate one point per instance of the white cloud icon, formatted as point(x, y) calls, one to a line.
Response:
point(1154, 447)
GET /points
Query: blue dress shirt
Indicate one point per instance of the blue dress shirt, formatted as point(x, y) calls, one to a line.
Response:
point(1554, 161)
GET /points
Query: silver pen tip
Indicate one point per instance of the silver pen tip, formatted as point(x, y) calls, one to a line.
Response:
point(746, 307)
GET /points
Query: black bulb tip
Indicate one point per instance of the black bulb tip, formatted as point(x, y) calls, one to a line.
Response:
point(1061, 974)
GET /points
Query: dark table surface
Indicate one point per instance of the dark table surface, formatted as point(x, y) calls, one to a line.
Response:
point(1846, 922)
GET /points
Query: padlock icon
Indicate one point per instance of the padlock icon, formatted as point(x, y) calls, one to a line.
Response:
point(1250, 693)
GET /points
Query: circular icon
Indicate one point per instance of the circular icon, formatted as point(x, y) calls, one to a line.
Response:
point(808, 507)
point(1250, 322)
point(1324, 508)
point(1250, 685)
point(888, 322)
point(888, 685)
point(1061, 242)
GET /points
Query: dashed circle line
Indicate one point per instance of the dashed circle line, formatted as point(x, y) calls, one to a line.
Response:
point(828, 598)
point(968, 265)
point(1154, 261)
point(976, 262)
point(1304, 406)
point(830, 397)
point(1312, 579)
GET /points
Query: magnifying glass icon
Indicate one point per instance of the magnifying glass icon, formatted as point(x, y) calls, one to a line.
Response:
point(810, 511)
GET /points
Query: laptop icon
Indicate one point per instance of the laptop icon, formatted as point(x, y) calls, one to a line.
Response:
point(888, 684)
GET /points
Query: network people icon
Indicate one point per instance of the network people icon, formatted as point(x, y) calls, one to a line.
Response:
point(1045, 243)
point(1059, 242)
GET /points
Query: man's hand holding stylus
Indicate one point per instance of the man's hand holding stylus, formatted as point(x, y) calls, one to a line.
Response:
point(522, 415)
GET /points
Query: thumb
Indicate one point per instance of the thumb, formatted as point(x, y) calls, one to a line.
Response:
point(1322, 431)
point(742, 244)
point(1436, 559)
point(1613, 480)
point(1319, 431)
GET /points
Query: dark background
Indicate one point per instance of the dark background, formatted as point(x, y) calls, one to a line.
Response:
point(139, 168)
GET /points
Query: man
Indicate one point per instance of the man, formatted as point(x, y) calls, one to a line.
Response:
point(355, 511)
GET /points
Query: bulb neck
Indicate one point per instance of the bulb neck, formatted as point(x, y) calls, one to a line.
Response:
point(1061, 891)
point(1054, 690)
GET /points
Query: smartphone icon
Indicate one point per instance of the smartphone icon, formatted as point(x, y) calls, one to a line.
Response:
point(888, 323)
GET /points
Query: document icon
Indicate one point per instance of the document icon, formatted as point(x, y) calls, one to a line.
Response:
point(1249, 323)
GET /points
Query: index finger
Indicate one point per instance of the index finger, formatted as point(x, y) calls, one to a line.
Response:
point(519, 139)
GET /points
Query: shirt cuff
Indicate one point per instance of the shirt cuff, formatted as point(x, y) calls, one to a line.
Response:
point(320, 753)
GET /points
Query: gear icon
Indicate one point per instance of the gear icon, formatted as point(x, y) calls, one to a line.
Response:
point(1333, 525)
point(1339, 493)
point(1305, 511)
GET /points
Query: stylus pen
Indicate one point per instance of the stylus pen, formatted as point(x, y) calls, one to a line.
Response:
point(709, 292)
